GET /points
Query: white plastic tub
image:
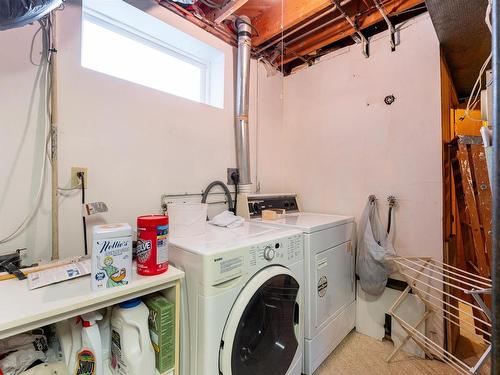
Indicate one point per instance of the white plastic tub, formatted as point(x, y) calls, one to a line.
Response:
point(187, 219)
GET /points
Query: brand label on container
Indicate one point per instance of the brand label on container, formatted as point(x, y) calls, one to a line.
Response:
point(322, 286)
point(112, 247)
point(85, 363)
point(116, 351)
point(111, 262)
point(144, 250)
point(162, 245)
point(152, 248)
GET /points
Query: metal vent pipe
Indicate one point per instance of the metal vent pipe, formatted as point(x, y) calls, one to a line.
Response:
point(242, 103)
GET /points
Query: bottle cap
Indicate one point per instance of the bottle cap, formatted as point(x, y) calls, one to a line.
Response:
point(89, 319)
point(130, 303)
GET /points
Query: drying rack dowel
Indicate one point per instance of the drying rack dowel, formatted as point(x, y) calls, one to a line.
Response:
point(435, 285)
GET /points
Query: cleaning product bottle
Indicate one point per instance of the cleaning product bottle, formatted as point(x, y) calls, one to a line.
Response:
point(131, 350)
point(105, 331)
point(69, 334)
point(89, 359)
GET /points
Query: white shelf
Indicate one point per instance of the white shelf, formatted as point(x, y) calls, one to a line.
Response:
point(107, 371)
point(22, 309)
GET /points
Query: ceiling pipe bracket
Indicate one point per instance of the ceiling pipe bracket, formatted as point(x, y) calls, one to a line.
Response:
point(365, 44)
point(392, 30)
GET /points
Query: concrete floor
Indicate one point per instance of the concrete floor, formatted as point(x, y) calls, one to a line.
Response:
point(360, 354)
point(470, 346)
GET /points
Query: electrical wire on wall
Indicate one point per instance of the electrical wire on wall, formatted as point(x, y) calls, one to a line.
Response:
point(43, 80)
point(81, 177)
point(475, 95)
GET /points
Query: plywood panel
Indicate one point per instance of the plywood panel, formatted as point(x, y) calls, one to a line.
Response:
point(468, 126)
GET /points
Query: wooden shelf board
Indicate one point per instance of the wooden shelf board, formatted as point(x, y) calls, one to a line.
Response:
point(23, 309)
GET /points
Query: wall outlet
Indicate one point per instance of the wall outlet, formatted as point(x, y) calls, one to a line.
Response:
point(229, 173)
point(75, 180)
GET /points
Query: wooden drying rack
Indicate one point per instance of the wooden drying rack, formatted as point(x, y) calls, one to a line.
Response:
point(435, 283)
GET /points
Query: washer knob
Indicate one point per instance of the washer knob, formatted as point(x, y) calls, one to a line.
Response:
point(269, 253)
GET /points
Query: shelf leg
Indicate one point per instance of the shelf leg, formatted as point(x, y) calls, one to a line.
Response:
point(177, 325)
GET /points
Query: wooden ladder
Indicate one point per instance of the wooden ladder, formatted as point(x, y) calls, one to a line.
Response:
point(473, 201)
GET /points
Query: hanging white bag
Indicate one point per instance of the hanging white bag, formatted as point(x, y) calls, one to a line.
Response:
point(375, 246)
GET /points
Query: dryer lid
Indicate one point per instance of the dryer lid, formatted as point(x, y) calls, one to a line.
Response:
point(217, 239)
point(310, 222)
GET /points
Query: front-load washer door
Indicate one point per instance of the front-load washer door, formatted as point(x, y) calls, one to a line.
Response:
point(260, 336)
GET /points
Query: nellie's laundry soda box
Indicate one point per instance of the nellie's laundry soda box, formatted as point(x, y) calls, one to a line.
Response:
point(111, 256)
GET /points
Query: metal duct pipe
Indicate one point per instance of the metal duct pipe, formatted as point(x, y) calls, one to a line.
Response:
point(242, 99)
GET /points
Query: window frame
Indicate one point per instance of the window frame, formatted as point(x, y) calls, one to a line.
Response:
point(114, 25)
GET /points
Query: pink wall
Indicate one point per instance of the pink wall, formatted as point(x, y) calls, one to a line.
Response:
point(341, 142)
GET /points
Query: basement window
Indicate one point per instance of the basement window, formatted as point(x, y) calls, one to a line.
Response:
point(124, 42)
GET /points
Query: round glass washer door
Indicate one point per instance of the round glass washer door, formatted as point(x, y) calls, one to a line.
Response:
point(261, 332)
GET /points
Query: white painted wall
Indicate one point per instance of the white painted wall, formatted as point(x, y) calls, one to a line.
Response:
point(340, 142)
point(334, 141)
point(137, 142)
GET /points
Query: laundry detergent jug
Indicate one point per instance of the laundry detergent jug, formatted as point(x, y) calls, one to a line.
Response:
point(132, 352)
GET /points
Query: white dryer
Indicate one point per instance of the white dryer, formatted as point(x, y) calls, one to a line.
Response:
point(329, 276)
point(243, 314)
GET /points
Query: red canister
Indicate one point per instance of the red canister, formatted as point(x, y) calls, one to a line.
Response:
point(152, 244)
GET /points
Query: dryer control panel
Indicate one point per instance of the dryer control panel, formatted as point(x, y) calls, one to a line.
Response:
point(250, 206)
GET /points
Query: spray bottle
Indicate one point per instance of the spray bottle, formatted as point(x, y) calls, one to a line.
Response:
point(90, 358)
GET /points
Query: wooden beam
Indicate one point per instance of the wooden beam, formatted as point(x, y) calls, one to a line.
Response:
point(229, 9)
point(342, 29)
point(294, 12)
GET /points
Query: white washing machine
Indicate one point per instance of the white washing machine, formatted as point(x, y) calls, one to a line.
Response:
point(243, 305)
point(329, 274)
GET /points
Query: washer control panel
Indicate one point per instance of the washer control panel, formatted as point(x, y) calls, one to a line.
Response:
point(226, 266)
point(284, 251)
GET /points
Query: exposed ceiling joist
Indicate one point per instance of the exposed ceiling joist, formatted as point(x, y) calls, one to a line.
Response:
point(342, 29)
point(301, 29)
point(294, 12)
point(229, 9)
